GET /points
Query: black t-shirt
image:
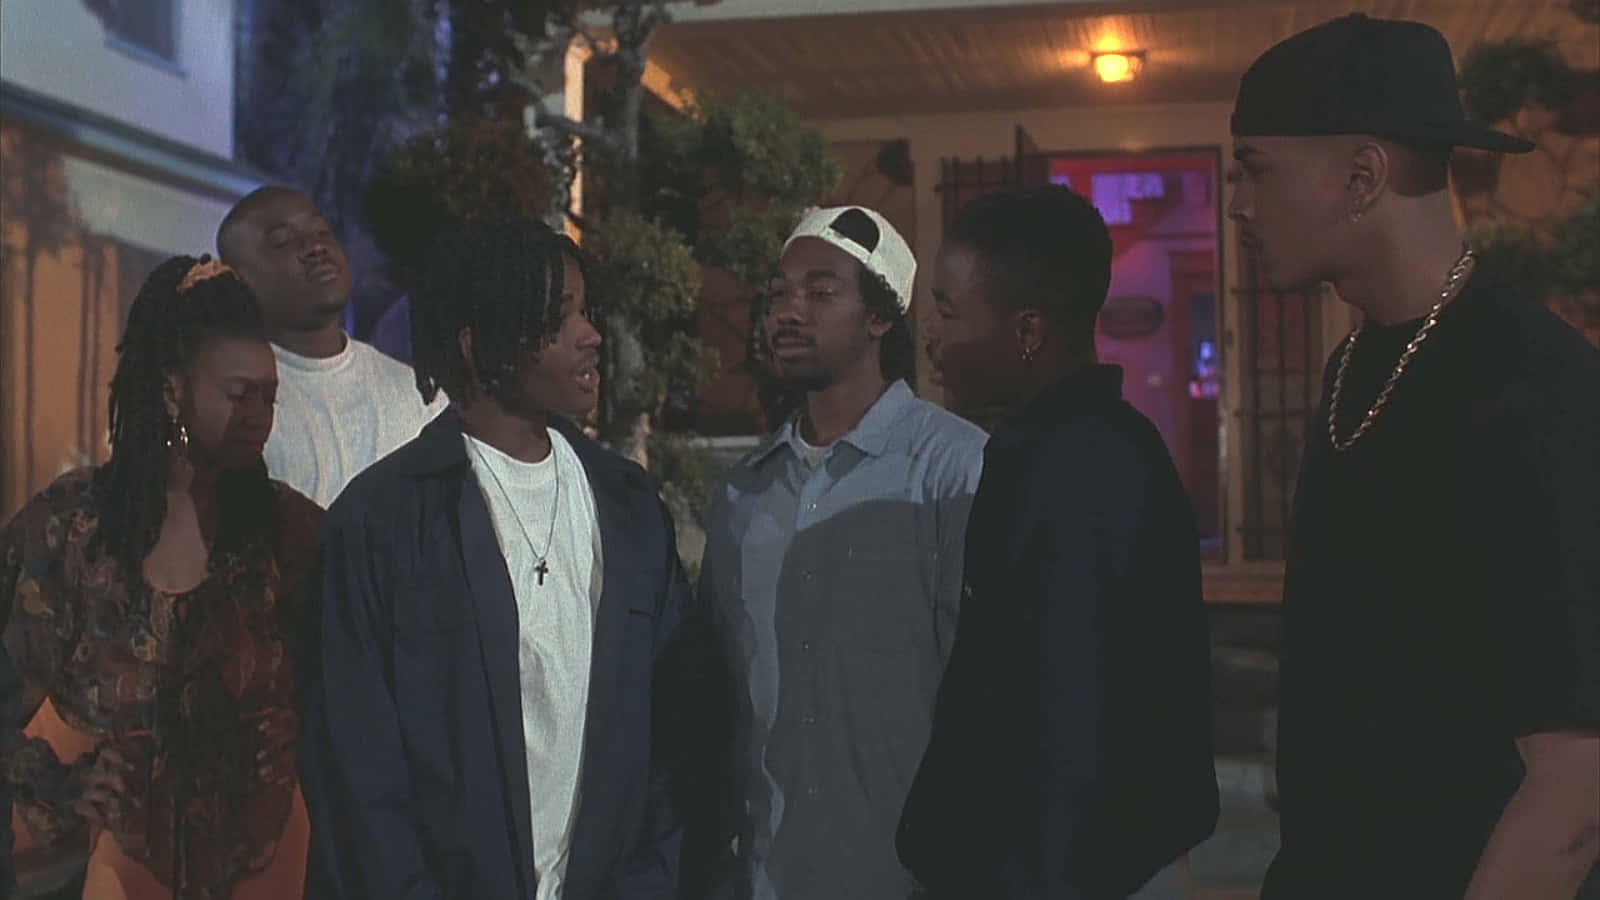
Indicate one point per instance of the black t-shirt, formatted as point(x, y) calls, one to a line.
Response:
point(1442, 597)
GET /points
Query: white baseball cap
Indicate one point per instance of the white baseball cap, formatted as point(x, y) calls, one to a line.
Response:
point(872, 241)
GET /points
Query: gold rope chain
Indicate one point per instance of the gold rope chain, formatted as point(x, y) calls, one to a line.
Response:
point(1457, 272)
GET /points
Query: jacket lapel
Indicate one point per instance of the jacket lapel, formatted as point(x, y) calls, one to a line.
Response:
point(495, 605)
point(626, 585)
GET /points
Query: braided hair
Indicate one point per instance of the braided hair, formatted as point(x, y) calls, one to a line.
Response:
point(185, 303)
point(504, 282)
point(897, 352)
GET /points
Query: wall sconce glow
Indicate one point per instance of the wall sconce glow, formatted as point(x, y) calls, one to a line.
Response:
point(1116, 68)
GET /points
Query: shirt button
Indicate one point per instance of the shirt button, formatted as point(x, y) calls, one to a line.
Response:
point(806, 575)
point(805, 646)
point(809, 720)
point(812, 507)
point(811, 792)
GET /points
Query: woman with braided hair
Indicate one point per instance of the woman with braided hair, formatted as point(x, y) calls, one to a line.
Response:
point(151, 601)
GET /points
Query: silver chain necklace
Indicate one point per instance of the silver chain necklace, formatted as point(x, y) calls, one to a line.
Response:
point(543, 568)
point(1457, 271)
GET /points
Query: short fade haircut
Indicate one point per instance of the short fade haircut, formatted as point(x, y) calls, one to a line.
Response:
point(247, 206)
point(1044, 248)
point(1418, 168)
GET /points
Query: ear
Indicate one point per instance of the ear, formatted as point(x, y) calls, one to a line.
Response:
point(1032, 332)
point(464, 344)
point(1367, 179)
point(878, 325)
point(173, 389)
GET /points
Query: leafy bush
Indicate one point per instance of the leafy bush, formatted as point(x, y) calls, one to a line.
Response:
point(1501, 77)
point(476, 169)
point(1575, 254)
point(1514, 249)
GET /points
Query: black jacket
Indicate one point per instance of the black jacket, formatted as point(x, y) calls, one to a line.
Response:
point(413, 764)
point(1071, 754)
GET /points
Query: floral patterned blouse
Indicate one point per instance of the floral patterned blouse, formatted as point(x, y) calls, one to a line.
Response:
point(178, 683)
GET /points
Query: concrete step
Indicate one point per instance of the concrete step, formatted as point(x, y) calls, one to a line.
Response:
point(1244, 674)
point(1255, 627)
point(1247, 781)
point(1243, 727)
point(1237, 854)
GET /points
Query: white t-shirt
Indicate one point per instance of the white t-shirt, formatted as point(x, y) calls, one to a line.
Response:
point(812, 454)
point(339, 415)
point(550, 506)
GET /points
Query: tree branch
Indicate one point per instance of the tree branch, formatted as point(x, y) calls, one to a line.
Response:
point(538, 52)
point(573, 25)
point(582, 222)
point(634, 25)
point(595, 135)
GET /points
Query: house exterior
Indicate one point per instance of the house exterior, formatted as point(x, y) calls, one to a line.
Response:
point(116, 144)
point(117, 149)
point(982, 94)
point(930, 103)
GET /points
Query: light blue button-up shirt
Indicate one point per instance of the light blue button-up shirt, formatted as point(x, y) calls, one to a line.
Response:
point(835, 590)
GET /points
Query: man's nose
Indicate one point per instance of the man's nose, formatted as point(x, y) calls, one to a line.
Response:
point(1238, 206)
point(788, 307)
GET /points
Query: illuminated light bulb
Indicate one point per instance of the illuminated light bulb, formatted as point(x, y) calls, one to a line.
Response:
point(1117, 68)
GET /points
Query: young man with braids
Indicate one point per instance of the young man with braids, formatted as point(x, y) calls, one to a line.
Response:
point(342, 404)
point(151, 601)
point(1439, 732)
point(833, 572)
point(500, 618)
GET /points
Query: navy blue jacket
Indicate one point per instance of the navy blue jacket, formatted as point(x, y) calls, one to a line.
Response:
point(1071, 753)
point(412, 754)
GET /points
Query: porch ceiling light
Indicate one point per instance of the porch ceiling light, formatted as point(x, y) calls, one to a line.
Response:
point(1118, 67)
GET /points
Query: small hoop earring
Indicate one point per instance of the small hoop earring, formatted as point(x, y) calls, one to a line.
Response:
point(183, 438)
point(1027, 354)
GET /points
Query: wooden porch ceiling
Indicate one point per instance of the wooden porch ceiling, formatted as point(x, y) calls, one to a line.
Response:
point(1032, 55)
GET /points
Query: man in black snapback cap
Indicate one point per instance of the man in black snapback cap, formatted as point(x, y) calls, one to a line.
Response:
point(1440, 710)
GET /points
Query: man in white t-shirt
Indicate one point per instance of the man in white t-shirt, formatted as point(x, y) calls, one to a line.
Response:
point(342, 405)
point(506, 678)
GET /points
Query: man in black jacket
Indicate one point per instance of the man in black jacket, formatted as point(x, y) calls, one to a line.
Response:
point(1071, 753)
point(498, 664)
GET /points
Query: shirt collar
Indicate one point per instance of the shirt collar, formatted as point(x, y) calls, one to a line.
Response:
point(439, 447)
point(870, 436)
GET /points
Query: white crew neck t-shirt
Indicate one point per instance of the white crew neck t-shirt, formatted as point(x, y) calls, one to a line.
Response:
point(547, 508)
point(339, 415)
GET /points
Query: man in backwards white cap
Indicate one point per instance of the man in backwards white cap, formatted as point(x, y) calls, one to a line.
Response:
point(833, 570)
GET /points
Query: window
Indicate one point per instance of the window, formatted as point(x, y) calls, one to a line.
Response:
point(1280, 338)
point(966, 180)
point(146, 27)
